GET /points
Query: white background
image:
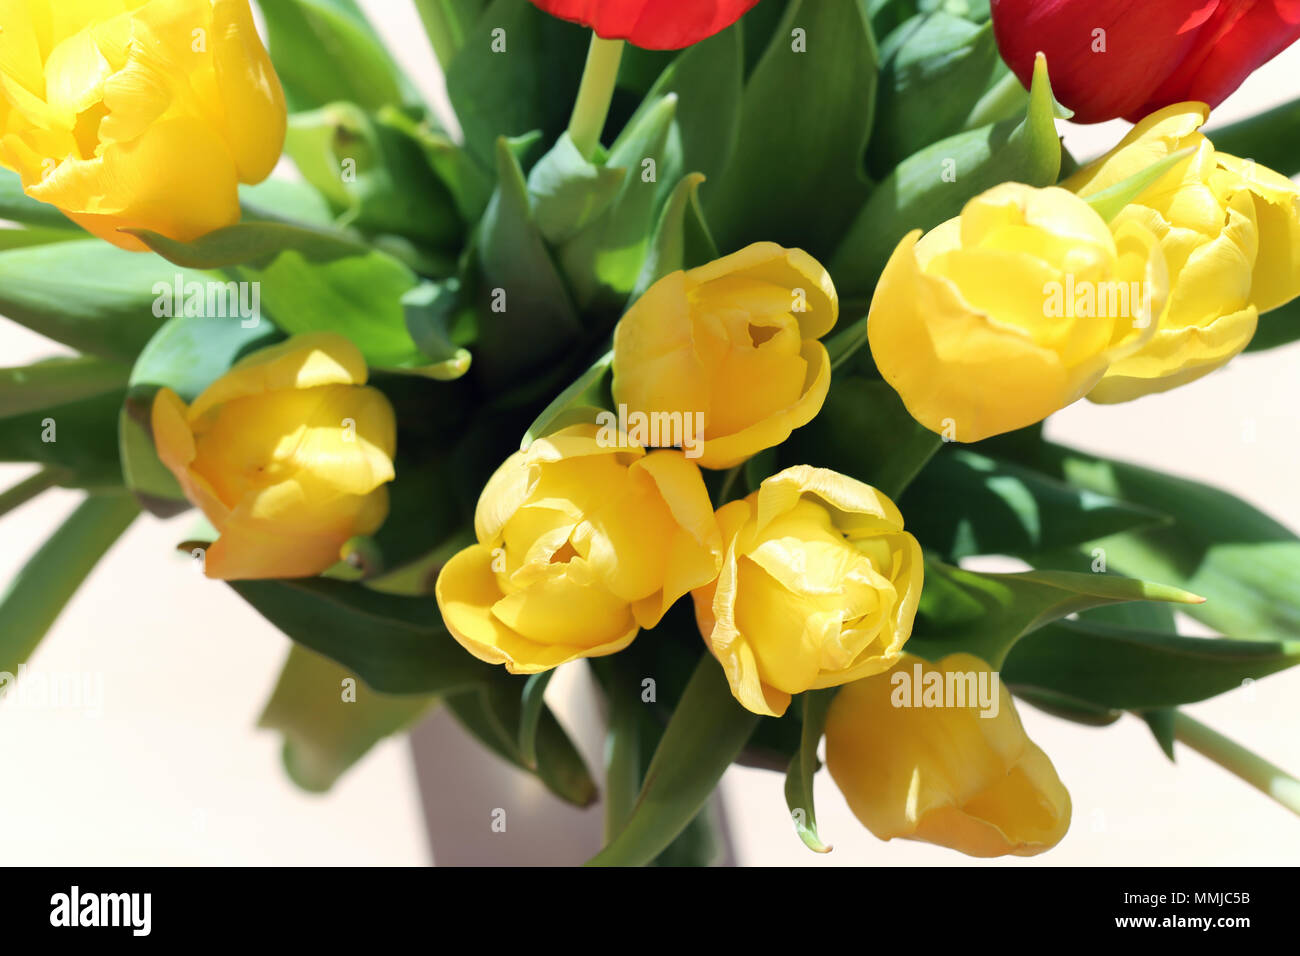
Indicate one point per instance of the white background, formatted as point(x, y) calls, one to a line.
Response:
point(173, 771)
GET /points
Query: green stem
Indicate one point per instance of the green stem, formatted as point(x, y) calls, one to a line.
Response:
point(29, 488)
point(1266, 777)
point(594, 95)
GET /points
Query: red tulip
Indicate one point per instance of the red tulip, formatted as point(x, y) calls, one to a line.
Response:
point(1152, 52)
point(651, 24)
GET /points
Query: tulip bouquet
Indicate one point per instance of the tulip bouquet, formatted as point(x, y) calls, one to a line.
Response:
point(704, 354)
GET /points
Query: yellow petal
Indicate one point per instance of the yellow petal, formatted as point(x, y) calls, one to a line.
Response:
point(255, 118)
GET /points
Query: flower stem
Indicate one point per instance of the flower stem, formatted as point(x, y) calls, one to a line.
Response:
point(594, 95)
point(1269, 778)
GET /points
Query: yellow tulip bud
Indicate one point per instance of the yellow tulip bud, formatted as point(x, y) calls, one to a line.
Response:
point(581, 542)
point(1012, 311)
point(1230, 233)
point(733, 342)
point(942, 763)
point(138, 113)
point(819, 587)
point(287, 454)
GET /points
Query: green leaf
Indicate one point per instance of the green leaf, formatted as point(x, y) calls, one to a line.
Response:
point(569, 192)
point(603, 261)
point(965, 504)
point(932, 185)
point(804, 766)
point(35, 236)
point(87, 294)
point(527, 315)
point(397, 645)
point(448, 24)
point(469, 185)
point(518, 70)
point(865, 432)
point(986, 614)
point(681, 240)
point(327, 723)
point(707, 79)
point(583, 392)
point(532, 703)
point(493, 714)
point(78, 438)
point(1111, 201)
point(432, 309)
point(935, 68)
point(326, 51)
point(38, 593)
point(797, 175)
point(285, 200)
point(1131, 669)
point(308, 280)
point(1271, 138)
point(375, 176)
point(187, 355)
point(1243, 562)
point(56, 382)
point(706, 732)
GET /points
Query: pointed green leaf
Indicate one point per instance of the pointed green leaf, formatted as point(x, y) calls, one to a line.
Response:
point(57, 382)
point(803, 768)
point(78, 438)
point(38, 593)
point(325, 51)
point(987, 614)
point(706, 732)
point(1111, 201)
point(932, 185)
point(329, 720)
point(797, 174)
point(397, 645)
point(965, 504)
point(582, 393)
point(681, 240)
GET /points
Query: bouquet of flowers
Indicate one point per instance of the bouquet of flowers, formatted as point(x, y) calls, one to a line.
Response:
point(704, 354)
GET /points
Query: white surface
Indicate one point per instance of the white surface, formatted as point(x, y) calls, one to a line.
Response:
point(172, 770)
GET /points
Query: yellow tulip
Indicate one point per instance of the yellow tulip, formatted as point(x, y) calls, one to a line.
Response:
point(943, 774)
point(138, 113)
point(1012, 310)
point(819, 587)
point(287, 454)
point(1230, 234)
point(581, 542)
point(734, 342)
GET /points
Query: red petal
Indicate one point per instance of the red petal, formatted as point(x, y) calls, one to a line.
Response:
point(651, 24)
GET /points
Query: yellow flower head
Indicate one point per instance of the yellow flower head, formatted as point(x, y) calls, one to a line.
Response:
point(1012, 310)
point(1230, 234)
point(581, 542)
point(287, 454)
point(819, 587)
point(735, 342)
point(138, 113)
point(925, 763)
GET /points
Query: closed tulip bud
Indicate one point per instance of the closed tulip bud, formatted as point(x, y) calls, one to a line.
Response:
point(733, 344)
point(581, 542)
point(287, 454)
point(930, 763)
point(1230, 234)
point(819, 587)
point(143, 114)
point(651, 24)
point(1012, 310)
point(1113, 58)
